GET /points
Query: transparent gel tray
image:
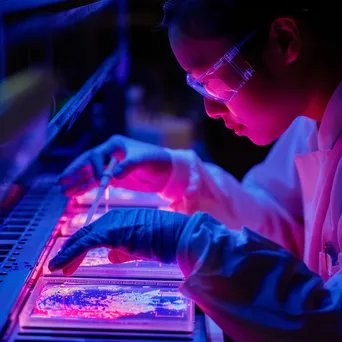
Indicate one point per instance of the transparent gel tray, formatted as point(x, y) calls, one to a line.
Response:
point(108, 304)
point(76, 222)
point(96, 264)
point(122, 197)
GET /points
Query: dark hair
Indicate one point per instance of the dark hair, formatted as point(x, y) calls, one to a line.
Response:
point(219, 18)
point(208, 18)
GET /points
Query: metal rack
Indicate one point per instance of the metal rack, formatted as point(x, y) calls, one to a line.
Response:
point(41, 18)
point(11, 6)
point(40, 23)
point(33, 218)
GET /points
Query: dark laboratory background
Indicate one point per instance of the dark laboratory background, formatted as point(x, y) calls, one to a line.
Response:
point(155, 92)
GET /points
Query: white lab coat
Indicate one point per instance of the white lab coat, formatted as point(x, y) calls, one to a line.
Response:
point(293, 198)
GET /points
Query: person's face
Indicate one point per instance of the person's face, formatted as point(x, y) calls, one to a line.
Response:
point(267, 104)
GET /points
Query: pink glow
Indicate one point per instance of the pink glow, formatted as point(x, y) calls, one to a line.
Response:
point(110, 193)
point(78, 220)
point(109, 302)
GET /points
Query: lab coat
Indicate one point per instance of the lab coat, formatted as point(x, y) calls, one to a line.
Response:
point(287, 289)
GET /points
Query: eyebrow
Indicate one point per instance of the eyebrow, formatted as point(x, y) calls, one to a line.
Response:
point(199, 63)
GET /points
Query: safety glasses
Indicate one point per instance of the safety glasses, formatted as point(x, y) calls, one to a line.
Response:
point(224, 80)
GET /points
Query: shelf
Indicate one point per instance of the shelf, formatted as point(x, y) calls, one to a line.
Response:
point(71, 110)
point(14, 6)
point(41, 25)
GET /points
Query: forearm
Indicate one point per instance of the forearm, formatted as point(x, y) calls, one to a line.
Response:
point(254, 289)
point(196, 186)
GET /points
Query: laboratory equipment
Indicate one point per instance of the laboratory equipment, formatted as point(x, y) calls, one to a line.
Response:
point(96, 264)
point(104, 182)
point(113, 304)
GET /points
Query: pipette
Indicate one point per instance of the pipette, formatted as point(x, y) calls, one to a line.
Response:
point(104, 182)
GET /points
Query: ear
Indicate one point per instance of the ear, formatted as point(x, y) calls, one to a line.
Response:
point(285, 39)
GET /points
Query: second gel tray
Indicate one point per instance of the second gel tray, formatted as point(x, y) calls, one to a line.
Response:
point(96, 264)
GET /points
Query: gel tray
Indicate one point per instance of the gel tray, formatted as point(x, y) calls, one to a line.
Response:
point(76, 222)
point(121, 197)
point(96, 264)
point(108, 304)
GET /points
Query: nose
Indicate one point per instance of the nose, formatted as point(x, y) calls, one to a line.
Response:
point(214, 109)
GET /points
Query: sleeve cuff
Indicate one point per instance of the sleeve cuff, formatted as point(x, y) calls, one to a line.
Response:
point(179, 179)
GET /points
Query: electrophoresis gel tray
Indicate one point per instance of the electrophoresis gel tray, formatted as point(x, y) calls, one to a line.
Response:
point(108, 304)
point(119, 197)
point(76, 222)
point(96, 264)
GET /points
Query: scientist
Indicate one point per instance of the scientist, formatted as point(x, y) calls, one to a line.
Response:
point(263, 257)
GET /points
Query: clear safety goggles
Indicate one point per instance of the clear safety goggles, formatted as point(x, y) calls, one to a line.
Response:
point(224, 80)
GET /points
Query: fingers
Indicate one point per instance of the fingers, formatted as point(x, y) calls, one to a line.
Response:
point(113, 147)
point(83, 188)
point(80, 187)
point(116, 256)
point(77, 179)
point(76, 246)
point(82, 174)
point(77, 167)
point(67, 256)
point(124, 168)
point(67, 180)
point(97, 160)
point(117, 146)
point(71, 268)
point(77, 236)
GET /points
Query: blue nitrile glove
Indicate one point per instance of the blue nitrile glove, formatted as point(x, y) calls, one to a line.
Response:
point(141, 167)
point(148, 234)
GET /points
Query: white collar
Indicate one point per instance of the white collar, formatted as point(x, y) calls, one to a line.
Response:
point(331, 125)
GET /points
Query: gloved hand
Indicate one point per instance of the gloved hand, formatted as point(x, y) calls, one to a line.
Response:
point(147, 234)
point(142, 167)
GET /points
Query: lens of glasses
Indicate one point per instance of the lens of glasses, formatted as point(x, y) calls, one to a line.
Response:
point(222, 82)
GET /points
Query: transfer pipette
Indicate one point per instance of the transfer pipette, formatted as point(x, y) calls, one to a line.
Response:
point(104, 182)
